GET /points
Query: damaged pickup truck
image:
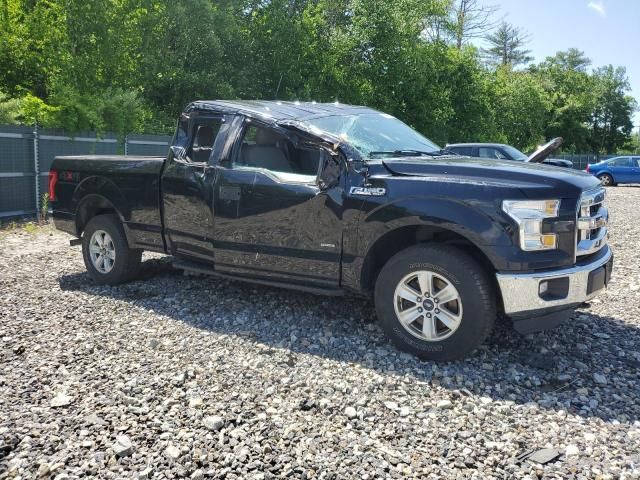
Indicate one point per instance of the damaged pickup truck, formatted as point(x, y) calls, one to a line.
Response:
point(332, 198)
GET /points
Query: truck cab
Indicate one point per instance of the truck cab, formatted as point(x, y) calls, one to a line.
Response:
point(242, 195)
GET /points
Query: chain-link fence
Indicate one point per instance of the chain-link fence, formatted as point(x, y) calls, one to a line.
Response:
point(26, 155)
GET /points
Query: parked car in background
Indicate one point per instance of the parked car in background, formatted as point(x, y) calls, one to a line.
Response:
point(500, 151)
point(617, 170)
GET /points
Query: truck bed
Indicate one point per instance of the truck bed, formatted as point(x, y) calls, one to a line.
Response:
point(130, 185)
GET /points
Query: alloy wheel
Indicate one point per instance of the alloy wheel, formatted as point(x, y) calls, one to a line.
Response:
point(428, 305)
point(102, 251)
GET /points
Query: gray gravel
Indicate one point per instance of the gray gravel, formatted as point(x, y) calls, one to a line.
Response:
point(194, 377)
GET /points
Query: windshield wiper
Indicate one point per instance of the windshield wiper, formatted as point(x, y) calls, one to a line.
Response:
point(409, 152)
point(443, 152)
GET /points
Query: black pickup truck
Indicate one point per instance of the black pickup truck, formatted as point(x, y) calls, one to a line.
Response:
point(332, 198)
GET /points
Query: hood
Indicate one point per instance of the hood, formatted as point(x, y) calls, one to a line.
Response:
point(545, 150)
point(534, 180)
point(558, 162)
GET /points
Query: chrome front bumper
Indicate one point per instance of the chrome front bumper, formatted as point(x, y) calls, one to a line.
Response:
point(521, 292)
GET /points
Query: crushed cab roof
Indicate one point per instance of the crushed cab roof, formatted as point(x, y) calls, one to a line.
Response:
point(279, 110)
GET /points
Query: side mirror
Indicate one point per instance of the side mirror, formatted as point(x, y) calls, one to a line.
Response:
point(179, 153)
point(330, 172)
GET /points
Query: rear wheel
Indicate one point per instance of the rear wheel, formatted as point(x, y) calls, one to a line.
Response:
point(435, 301)
point(606, 179)
point(107, 256)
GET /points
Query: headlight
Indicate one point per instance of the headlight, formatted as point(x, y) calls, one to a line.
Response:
point(529, 215)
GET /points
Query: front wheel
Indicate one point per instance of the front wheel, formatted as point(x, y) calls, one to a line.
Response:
point(435, 301)
point(107, 256)
point(606, 180)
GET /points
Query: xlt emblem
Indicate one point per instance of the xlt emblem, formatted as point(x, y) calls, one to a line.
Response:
point(368, 191)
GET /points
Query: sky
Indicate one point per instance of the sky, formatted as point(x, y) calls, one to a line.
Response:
point(607, 31)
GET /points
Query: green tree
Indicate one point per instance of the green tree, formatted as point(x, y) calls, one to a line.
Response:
point(507, 46)
point(471, 19)
point(132, 65)
point(633, 144)
point(570, 60)
point(570, 89)
point(611, 120)
point(184, 54)
point(9, 109)
point(469, 89)
point(520, 108)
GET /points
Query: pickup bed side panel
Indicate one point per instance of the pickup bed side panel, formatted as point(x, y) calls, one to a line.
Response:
point(129, 184)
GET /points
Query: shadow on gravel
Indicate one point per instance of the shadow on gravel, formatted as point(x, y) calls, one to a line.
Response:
point(583, 368)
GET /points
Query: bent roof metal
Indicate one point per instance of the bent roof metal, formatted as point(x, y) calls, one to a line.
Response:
point(278, 110)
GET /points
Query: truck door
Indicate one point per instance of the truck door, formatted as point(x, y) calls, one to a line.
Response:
point(273, 222)
point(187, 193)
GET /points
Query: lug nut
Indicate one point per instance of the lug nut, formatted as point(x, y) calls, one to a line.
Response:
point(437, 311)
point(436, 300)
point(420, 310)
point(428, 315)
point(418, 299)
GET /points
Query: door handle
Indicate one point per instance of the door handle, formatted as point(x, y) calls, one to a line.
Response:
point(229, 192)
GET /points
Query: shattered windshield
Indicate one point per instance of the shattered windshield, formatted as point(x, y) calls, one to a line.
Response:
point(374, 134)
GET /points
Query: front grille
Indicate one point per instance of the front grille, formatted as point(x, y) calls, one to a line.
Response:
point(592, 219)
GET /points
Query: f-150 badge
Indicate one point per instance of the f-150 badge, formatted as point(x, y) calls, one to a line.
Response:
point(368, 191)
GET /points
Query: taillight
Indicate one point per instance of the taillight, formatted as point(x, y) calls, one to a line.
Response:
point(587, 169)
point(53, 180)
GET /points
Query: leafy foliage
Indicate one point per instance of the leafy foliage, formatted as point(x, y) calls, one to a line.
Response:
point(522, 105)
point(611, 119)
point(9, 110)
point(507, 46)
point(129, 66)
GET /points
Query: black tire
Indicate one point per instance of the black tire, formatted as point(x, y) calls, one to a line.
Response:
point(476, 293)
point(127, 260)
point(606, 180)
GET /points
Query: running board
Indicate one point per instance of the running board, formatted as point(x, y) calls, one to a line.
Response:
point(203, 269)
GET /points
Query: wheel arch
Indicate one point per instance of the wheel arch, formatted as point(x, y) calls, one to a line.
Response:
point(606, 172)
point(400, 238)
point(99, 196)
point(91, 205)
point(94, 204)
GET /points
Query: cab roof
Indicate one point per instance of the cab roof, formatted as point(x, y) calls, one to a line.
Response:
point(278, 110)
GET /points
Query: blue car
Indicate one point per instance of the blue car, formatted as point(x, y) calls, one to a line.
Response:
point(617, 170)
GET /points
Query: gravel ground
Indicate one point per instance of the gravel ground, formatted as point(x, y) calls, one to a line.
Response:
point(173, 376)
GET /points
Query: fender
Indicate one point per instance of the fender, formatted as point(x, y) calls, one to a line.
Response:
point(457, 219)
point(480, 227)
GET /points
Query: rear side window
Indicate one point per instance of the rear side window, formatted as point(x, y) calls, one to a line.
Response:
point(618, 162)
point(204, 133)
point(636, 161)
point(182, 133)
